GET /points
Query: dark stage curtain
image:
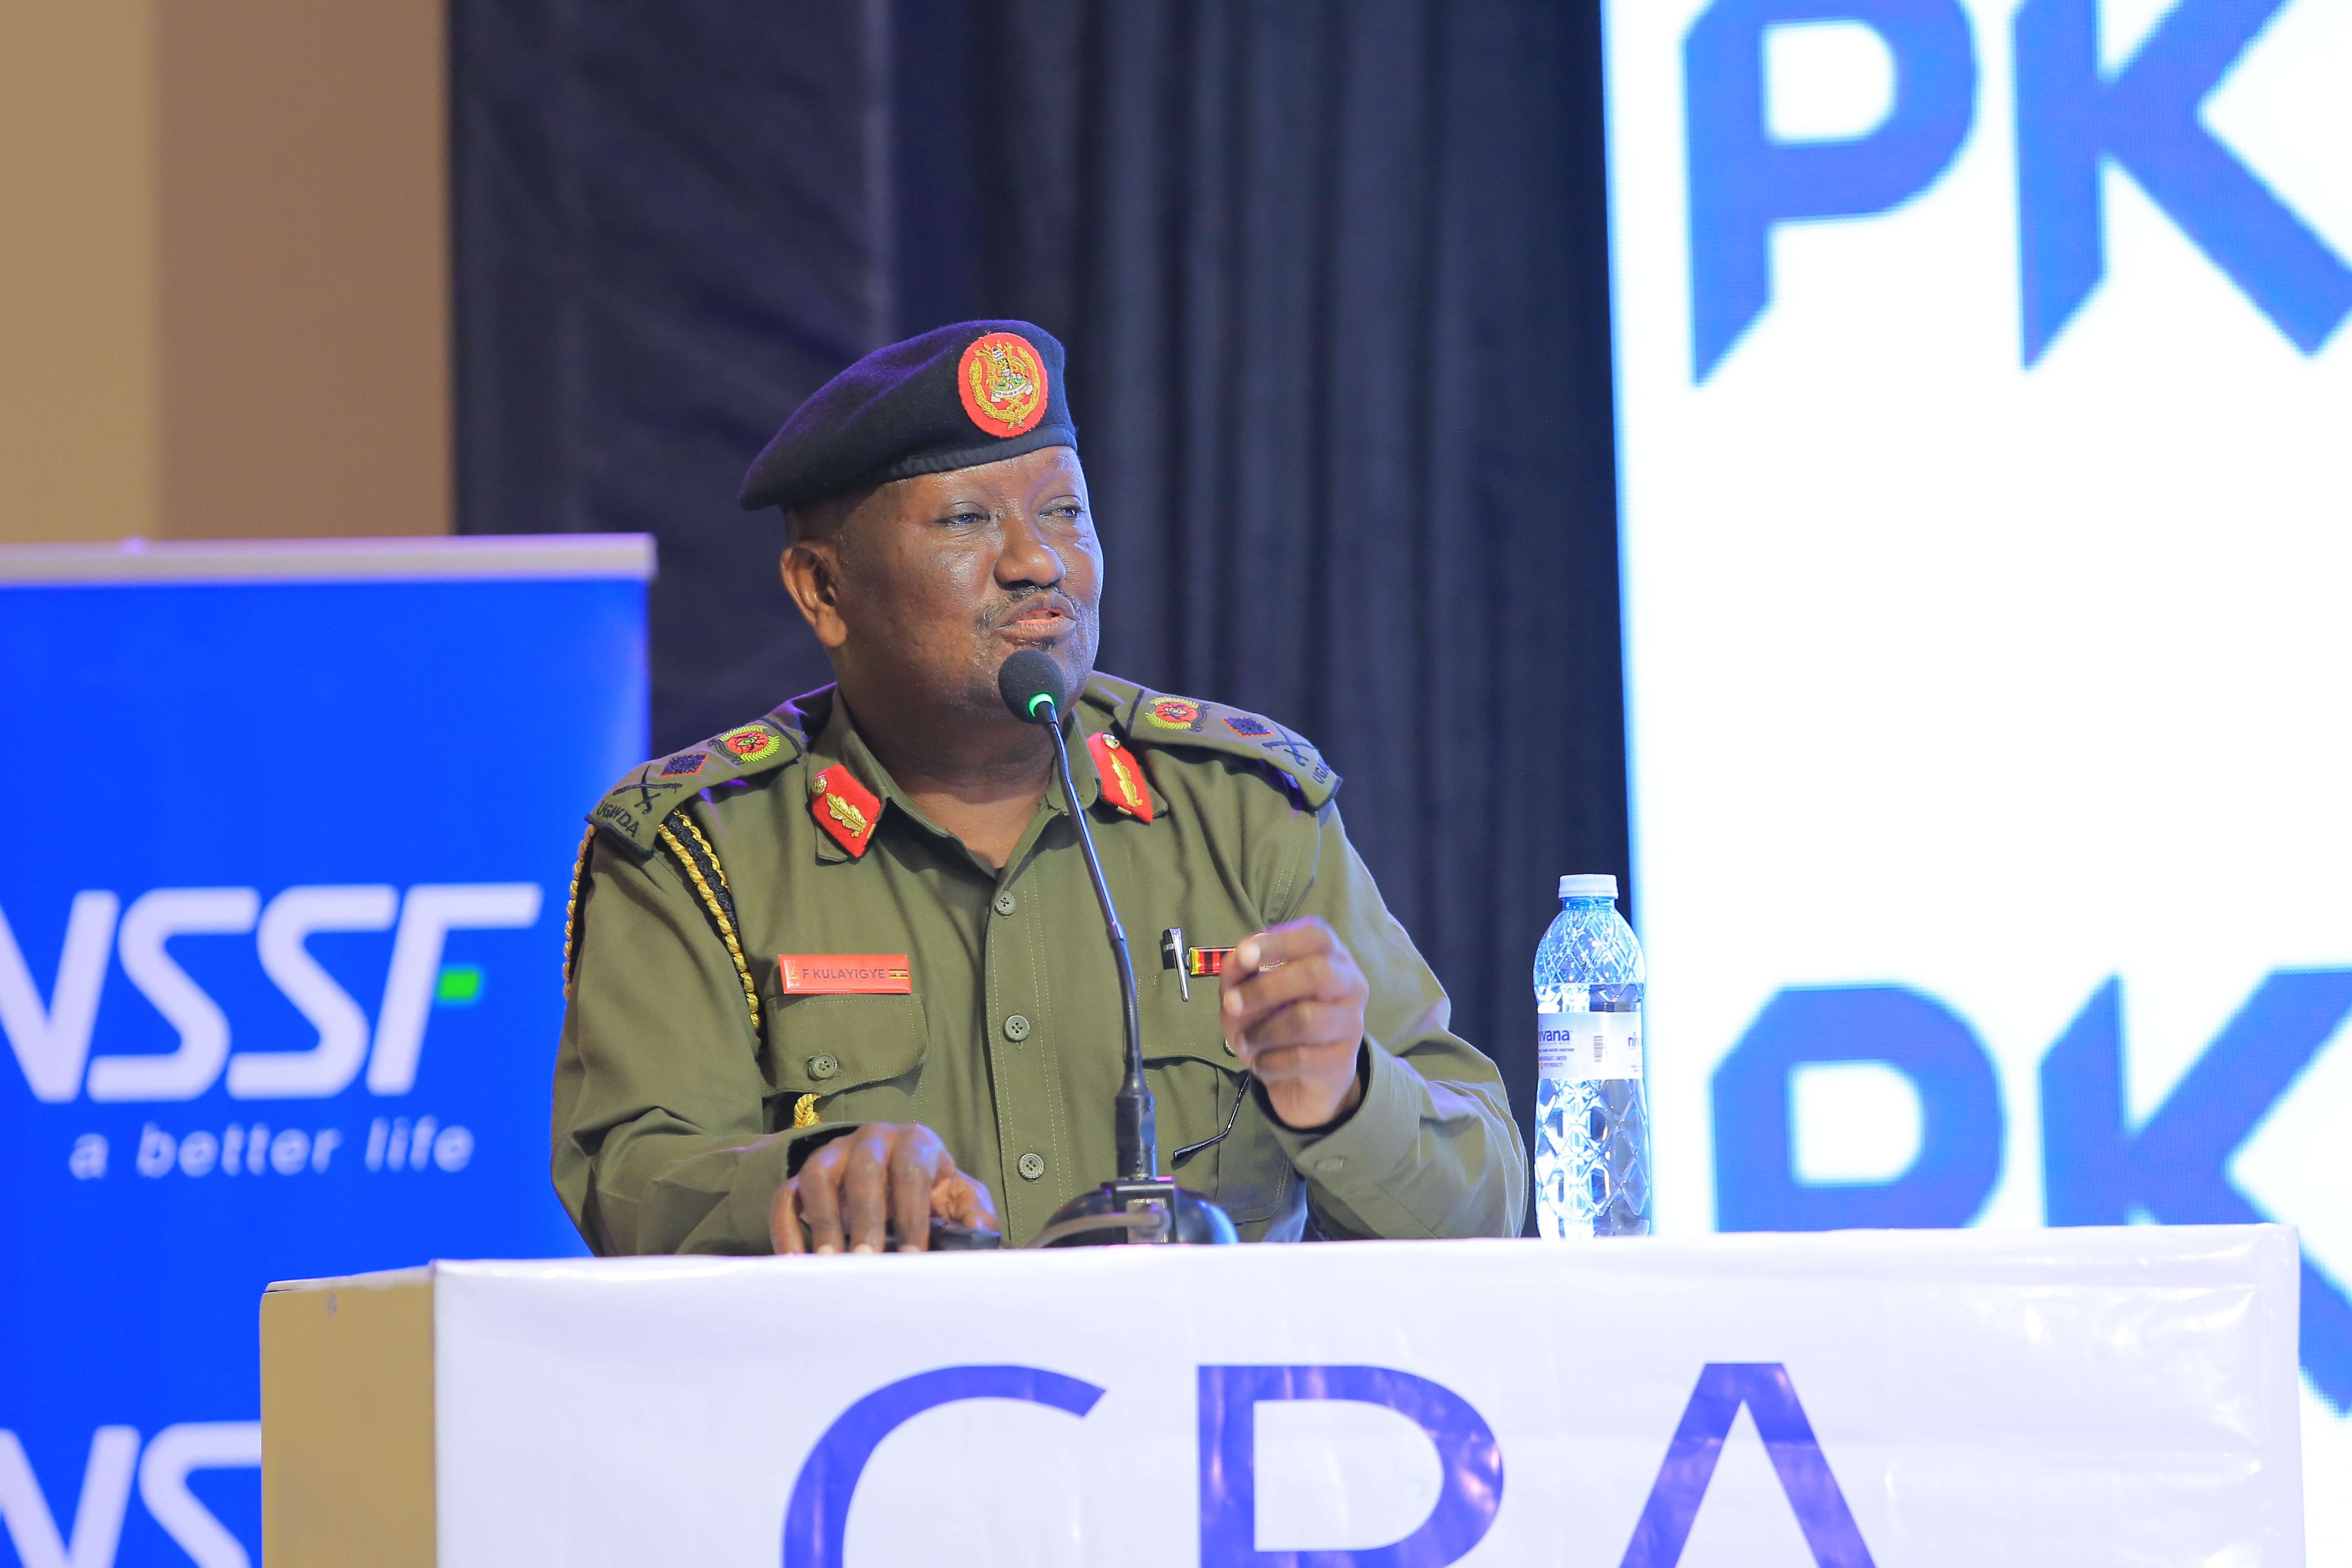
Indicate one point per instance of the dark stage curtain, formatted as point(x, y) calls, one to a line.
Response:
point(1332, 274)
point(671, 228)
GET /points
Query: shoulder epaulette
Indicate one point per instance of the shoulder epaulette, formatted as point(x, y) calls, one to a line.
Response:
point(633, 809)
point(1156, 719)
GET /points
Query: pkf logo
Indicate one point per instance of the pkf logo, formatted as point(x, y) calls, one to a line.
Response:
point(1470, 1460)
point(2097, 1168)
point(2072, 119)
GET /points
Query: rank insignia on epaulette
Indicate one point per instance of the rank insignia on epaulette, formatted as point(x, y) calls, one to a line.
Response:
point(844, 808)
point(1122, 777)
point(750, 743)
point(1174, 713)
point(1244, 724)
point(1208, 960)
point(686, 764)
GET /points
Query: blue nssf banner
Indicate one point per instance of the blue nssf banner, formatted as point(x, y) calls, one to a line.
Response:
point(280, 931)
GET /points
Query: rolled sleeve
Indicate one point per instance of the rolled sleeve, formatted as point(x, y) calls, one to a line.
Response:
point(1431, 1150)
point(1416, 1159)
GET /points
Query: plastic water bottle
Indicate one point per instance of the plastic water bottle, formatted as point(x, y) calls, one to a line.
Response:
point(1592, 1108)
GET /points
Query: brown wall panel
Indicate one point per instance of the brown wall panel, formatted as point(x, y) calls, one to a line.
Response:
point(77, 271)
point(303, 350)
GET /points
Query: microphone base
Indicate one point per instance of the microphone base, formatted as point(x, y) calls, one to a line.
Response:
point(1148, 1211)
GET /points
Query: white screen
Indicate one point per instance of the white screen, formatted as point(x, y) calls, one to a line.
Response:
point(1988, 598)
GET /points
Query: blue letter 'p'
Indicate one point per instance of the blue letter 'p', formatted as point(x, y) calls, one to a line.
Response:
point(818, 1514)
point(1756, 1185)
point(1742, 181)
point(1468, 1457)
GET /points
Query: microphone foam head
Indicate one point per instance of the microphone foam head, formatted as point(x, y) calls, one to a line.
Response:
point(1030, 684)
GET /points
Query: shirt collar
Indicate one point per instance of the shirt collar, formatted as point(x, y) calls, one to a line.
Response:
point(839, 743)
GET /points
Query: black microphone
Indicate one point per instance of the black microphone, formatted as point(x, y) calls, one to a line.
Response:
point(1140, 1204)
point(1030, 684)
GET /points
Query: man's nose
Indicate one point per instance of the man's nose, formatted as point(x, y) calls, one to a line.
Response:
point(1026, 558)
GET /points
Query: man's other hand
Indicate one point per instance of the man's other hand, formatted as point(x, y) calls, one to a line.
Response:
point(1292, 1001)
point(886, 1172)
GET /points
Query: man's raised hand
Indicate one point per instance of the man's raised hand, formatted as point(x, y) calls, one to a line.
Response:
point(1292, 1003)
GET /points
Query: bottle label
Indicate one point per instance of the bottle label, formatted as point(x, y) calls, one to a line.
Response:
point(1577, 1047)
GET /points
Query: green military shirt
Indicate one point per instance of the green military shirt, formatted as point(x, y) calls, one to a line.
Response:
point(685, 1064)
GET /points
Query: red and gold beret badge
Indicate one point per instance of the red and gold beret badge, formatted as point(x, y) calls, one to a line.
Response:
point(1002, 380)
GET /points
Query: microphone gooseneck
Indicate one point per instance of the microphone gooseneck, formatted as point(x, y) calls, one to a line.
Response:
point(1030, 684)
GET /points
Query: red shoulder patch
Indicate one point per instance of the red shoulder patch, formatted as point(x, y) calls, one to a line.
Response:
point(1122, 776)
point(844, 808)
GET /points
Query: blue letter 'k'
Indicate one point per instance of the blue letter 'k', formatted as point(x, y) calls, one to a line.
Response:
point(1764, 1388)
point(2097, 1170)
point(2146, 118)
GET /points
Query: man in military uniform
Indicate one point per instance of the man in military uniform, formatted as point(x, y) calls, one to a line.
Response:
point(842, 967)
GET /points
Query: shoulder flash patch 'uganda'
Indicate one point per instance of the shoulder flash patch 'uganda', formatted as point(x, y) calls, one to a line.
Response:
point(1122, 776)
point(844, 808)
point(1185, 721)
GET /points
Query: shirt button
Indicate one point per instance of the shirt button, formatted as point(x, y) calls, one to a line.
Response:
point(823, 1066)
point(1329, 1166)
point(1031, 1166)
point(1004, 903)
point(1016, 1028)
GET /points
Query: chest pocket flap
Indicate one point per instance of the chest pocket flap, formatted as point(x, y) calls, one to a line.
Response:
point(823, 1045)
point(1176, 1029)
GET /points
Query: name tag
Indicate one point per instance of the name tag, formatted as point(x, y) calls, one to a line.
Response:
point(846, 974)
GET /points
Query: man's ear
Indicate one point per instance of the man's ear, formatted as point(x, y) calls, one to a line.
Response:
point(811, 573)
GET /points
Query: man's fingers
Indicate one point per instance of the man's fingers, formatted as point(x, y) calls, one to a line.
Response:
point(817, 1191)
point(865, 1189)
point(1269, 988)
point(963, 1200)
point(1284, 964)
point(1290, 1064)
point(784, 1219)
point(981, 1210)
point(853, 1191)
point(1305, 1024)
point(915, 1161)
point(1285, 943)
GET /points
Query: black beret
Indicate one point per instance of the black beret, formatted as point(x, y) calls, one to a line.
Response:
point(977, 392)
